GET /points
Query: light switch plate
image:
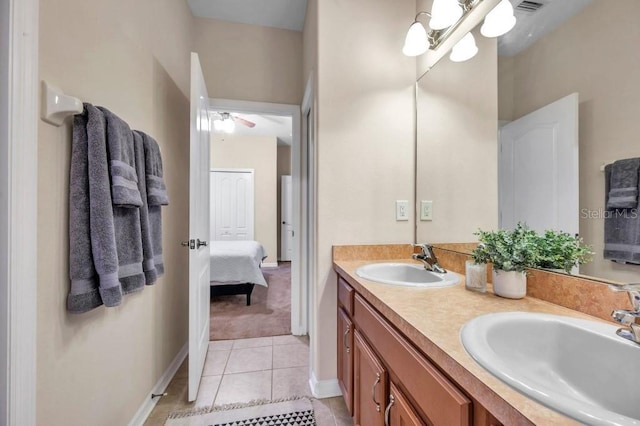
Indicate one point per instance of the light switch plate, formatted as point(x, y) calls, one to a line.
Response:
point(402, 210)
point(426, 210)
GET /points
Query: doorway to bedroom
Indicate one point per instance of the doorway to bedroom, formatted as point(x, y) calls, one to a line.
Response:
point(251, 225)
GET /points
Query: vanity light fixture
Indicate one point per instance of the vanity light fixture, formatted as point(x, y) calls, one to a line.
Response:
point(417, 40)
point(499, 21)
point(465, 49)
point(444, 13)
point(445, 16)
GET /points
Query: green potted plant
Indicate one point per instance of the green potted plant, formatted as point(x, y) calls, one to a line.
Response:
point(511, 252)
point(561, 251)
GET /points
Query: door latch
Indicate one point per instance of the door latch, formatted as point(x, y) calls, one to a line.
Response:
point(191, 244)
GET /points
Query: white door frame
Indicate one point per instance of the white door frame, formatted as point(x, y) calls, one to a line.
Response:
point(299, 286)
point(18, 210)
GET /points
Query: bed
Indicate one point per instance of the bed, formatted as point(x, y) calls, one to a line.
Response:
point(235, 267)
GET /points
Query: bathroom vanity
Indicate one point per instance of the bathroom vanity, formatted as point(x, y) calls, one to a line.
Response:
point(400, 358)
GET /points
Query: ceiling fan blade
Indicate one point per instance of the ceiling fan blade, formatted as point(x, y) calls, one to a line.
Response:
point(244, 122)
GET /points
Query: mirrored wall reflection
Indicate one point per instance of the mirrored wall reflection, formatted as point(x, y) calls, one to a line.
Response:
point(567, 46)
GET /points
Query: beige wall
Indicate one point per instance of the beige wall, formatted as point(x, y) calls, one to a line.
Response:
point(607, 83)
point(365, 142)
point(258, 153)
point(250, 62)
point(283, 169)
point(99, 367)
point(457, 146)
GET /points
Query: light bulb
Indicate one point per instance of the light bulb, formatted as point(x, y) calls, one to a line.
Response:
point(444, 13)
point(218, 125)
point(416, 42)
point(465, 49)
point(499, 21)
point(228, 126)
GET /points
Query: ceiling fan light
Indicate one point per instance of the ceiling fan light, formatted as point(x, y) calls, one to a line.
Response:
point(444, 13)
point(465, 49)
point(416, 42)
point(228, 126)
point(499, 21)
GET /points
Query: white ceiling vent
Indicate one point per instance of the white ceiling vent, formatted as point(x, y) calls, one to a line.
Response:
point(529, 6)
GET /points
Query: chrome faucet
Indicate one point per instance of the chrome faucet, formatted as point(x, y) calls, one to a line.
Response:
point(428, 258)
point(629, 318)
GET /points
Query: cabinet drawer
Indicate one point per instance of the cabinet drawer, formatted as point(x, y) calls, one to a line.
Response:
point(345, 295)
point(439, 400)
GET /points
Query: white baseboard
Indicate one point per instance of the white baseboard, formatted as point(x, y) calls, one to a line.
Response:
point(324, 388)
point(269, 265)
point(147, 406)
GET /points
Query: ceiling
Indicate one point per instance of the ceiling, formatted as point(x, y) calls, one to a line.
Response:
point(284, 14)
point(531, 26)
point(266, 125)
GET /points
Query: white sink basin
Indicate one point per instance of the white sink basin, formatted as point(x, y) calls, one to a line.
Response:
point(578, 367)
point(406, 274)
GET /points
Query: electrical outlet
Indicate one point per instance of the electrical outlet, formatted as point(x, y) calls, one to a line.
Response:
point(402, 210)
point(426, 210)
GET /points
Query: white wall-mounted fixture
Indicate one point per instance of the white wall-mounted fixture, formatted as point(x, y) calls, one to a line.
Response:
point(402, 210)
point(56, 106)
point(465, 49)
point(444, 13)
point(446, 16)
point(417, 40)
point(499, 21)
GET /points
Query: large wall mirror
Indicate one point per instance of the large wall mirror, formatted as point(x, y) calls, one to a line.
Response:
point(583, 52)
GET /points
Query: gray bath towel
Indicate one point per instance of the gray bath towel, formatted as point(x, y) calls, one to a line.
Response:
point(148, 264)
point(623, 192)
point(90, 199)
point(84, 294)
point(621, 230)
point(124, 179)
point(156, 189)
point(156, 196)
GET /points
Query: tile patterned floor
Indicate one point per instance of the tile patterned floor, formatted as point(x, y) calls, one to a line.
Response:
point(238, 371)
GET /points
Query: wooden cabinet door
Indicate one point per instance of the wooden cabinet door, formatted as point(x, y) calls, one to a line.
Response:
point(345, 358)
point(399, 411)
point(369, 386)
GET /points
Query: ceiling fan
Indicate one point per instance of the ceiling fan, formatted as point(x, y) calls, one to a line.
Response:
point(225, 122)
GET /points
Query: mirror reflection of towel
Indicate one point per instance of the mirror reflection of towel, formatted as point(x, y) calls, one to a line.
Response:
point(621, 229)
point(623, 189)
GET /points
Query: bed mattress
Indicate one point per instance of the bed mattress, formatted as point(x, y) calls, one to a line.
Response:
point(237, 262)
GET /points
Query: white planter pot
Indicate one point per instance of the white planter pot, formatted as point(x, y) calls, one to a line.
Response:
point(512, 284)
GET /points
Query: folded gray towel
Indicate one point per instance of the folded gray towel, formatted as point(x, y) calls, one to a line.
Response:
point(621, 229)
point(623, 192)
point(156, 189)
point(124, 179)
point(101, 233)
point(148, 265)
point(84, 294)
point(156, 196)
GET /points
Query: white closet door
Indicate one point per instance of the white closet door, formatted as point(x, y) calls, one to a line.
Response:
point(232, 204)
point(286, 233)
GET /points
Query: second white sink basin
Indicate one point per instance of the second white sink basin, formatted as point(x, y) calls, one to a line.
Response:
point(578, 367)
point(406, 274)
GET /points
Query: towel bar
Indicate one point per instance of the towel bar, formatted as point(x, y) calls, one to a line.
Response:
point(56, 106)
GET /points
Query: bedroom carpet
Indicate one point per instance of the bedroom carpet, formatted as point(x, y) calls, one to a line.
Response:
point(268, 315)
